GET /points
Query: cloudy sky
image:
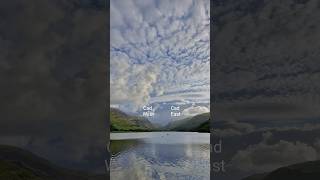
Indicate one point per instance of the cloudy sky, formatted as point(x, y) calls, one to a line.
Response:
point(265, 84)
point(265, 64)
point(160, 56)
point(52, 78)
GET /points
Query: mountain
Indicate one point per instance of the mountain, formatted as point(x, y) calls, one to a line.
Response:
point(204, 127)
point(19, 164)
point(121, 121)
point(302, 171)
point(198, 123)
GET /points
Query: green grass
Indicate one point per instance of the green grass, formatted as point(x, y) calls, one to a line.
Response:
point(198, 123)
point(204, 127)
point(121, 123)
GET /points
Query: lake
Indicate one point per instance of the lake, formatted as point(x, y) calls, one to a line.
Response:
point(160, 156)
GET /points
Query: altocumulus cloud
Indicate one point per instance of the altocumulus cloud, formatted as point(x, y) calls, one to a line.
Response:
point(280, 154)
point(52, 78)
point(256, 66)
point(159, 49)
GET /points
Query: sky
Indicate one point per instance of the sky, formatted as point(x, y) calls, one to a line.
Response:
point(265, 84)
point(266, 64)
point(160, 56)
point(52, 78)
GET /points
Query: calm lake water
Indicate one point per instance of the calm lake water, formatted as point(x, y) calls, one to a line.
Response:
point(160, 156)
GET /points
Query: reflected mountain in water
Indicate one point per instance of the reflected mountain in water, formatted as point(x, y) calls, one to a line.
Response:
point(160, 155)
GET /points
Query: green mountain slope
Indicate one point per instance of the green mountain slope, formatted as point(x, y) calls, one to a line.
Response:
point(19, 164)
point(120, 121)
point(302, 171)
point(204, 127)
point(198, 123)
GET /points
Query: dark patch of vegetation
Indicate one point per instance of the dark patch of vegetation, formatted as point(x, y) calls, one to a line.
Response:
point(19, 164)
point(198, 123)
point(308, 171)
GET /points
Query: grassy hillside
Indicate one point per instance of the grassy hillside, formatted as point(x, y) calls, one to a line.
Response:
point(204, 127)
point(19, 164)
point(306, 171)
point(123, 122)
point(198, 123)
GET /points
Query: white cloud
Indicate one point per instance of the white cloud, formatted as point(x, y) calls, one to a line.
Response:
point(194, 110)
point(131, 85)
point(263, 157)
point(170, 37)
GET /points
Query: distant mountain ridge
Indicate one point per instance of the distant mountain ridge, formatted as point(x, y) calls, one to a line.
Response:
point(121, 121)
point(197, 123)
point(302, 171)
